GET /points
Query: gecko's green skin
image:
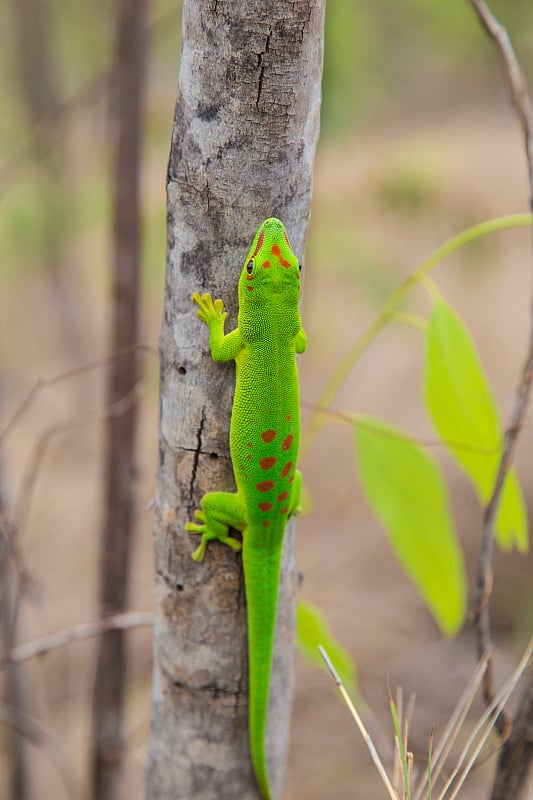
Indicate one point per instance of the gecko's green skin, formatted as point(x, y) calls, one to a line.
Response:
point(264, 439)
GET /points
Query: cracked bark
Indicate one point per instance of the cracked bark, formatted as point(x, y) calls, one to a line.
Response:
point(243, 144)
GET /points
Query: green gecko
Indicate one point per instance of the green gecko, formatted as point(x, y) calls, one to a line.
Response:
point(264, 439)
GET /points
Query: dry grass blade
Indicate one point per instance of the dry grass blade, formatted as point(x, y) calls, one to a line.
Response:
point(484, 728)
point(453, 727)
point(471, 750)
point(393, 794)
point(397, 766)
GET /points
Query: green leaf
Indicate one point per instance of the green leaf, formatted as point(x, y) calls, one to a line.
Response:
point(403, 485)
point(311, 630)
point(465, 413)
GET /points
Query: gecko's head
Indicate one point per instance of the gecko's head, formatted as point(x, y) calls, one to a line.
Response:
point(271, 271)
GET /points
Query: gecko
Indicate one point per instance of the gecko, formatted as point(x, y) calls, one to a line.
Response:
point(264, 440)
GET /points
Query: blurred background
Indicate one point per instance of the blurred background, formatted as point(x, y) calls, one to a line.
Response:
point(418, 142)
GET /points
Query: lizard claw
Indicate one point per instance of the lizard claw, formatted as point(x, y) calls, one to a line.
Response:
point(209, 311)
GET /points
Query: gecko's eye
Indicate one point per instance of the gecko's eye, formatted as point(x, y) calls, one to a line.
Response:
point(249, 267)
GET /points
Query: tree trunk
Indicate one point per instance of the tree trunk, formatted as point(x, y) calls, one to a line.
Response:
point(243, 144)
point(514, 772)
point(107, 735)
point(12, 690)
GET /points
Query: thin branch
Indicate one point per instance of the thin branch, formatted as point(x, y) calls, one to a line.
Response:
point(517, 87)
point(12, 529)
point(25, 493)
point(29, 728)
point(515, 81)
point(91, 92)
point(85, 630)
point(46, 382)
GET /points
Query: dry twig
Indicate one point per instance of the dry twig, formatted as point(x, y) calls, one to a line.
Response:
point(517, 87)
point(32, 731)
point(86, 630)
point(70, 373)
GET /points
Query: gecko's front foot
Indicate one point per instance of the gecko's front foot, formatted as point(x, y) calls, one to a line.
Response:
point(209, 311)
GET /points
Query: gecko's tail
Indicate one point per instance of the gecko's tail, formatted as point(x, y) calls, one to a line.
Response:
point(261, 573)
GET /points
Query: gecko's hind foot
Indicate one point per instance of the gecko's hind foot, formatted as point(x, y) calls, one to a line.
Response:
point(199, 553)
point(208, 536)
point(220, 512)
point(193, 527)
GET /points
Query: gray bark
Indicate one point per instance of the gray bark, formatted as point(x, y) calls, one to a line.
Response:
point(243, 144)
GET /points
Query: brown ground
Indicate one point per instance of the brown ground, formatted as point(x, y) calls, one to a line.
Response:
point(471, 168)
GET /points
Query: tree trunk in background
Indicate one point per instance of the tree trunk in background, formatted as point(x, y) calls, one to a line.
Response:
point(514, 772)
point(40, 92)
point(243, 144)
point(127, 97)
point(12, 682)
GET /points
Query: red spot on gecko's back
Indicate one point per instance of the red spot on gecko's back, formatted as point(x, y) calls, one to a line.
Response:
point(286, 469)
point(277, 252)
point(250, 288)
point(265, 486)
point(287, 442)
point(268, 436)
point(283, 496)
point(266, 524)
point(259, 244)
point(288, 417)
point(267, 462)
point(264, 506)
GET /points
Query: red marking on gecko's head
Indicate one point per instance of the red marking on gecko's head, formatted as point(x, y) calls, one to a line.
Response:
point(259, 244)
point(277, 252)
point(268, 436)
point(271, 267)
